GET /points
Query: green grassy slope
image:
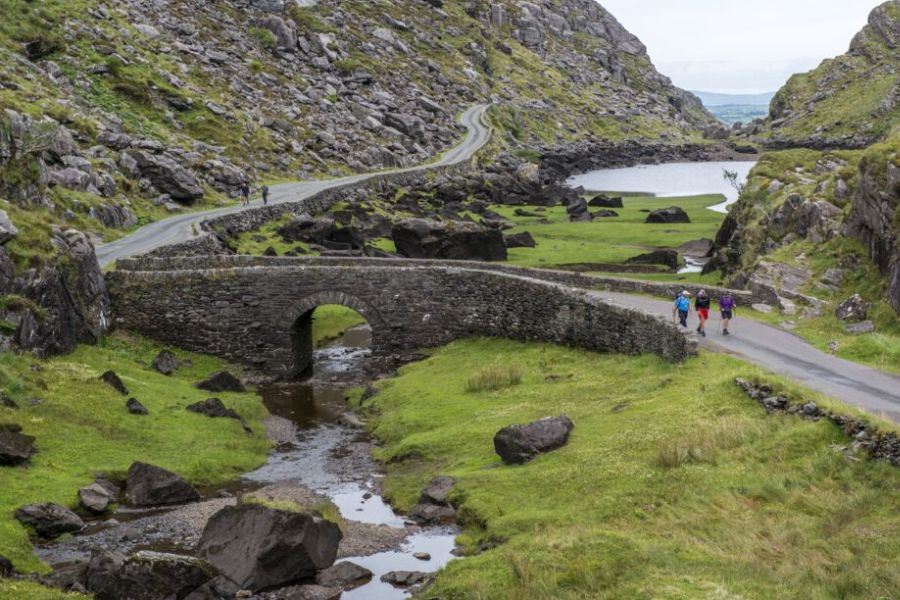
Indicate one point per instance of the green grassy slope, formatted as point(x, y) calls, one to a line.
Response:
point(673, 484)
point(83, 429)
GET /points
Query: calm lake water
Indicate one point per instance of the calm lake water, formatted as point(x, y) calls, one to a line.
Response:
point(668, 179)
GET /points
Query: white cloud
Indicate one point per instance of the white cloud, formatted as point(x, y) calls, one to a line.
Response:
point(740, 45)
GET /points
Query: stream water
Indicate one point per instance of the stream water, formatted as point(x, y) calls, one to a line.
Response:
point(321, 453)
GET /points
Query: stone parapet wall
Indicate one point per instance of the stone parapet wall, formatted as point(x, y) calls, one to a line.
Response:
point(245, 308)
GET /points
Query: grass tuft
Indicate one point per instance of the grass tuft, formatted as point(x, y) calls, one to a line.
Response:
point(494, 378)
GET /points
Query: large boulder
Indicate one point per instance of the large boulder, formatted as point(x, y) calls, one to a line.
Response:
point(602, 201)
point(517, 444)
point(667, 258)
point(15, 447)
point(456, 240)
point(307, 229)
point(409, 125)
point(258, 547)
point(145, 575)
point(578, 210)
point(284, 31)
point(49, 520)
point(168, 176)
point(673, 214)
point(222, 381)
point(149, 485)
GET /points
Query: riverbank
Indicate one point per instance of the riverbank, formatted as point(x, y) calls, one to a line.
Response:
point(673, 484)
point(82, 428)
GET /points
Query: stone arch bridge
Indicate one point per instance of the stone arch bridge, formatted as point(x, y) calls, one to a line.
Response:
point(257, 310)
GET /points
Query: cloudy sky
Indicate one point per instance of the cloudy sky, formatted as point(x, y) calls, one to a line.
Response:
point(740, 46)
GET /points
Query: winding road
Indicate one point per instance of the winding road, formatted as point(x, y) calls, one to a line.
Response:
point(181, 228)
point(769, 347)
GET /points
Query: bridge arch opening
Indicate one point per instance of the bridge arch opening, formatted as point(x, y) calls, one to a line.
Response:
point(330, 318)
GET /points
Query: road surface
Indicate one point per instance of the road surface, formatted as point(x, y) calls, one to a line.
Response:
point(181, 228)
point(784, 353)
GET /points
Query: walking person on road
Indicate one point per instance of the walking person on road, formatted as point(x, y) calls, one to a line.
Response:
point(265, 195)
point(682, 308)
point(245, 194)
point(701, 304)
point(726, 306)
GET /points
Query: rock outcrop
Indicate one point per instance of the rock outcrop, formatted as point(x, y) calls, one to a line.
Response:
point(420, 238)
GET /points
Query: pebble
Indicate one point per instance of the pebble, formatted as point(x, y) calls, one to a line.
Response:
point(422, 555)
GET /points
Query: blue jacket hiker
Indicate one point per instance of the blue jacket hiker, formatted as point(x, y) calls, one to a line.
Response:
point(682, 307)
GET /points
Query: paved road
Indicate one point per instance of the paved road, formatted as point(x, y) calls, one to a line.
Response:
point(182, 228)
point(787, 354)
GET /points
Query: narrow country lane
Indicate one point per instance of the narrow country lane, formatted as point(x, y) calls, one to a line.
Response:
point(181, 228)
point(787, 354)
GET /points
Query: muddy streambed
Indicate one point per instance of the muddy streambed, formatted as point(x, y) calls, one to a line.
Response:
point(321, 455)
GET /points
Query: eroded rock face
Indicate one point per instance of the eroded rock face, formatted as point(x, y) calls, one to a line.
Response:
point(259, 547)
point(149, 485)
point(517, 444)
point(421, 238)
point(49, 520)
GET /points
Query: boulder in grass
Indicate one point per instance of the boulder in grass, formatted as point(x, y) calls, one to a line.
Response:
point(95, 498)
point(437, 491)
point(517, 444)
point(134, 407)
point(853, 308)
point(673, 214)
point(6, 567)
point(222, 381)
point(602, 201)
point(15, 447)
point(149, 485)
point(258, 547)
point(165, 362)
point(604, 214)
point(667, 258)
point(49, 520)
point(112, 380)
point(520, 240)
point(213, 407)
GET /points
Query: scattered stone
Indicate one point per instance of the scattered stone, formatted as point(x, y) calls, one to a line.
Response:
point(149, 485)
point(222, 381)
point(853, 308)
point(577, 210)
point(15, 447)
point(6, 567)
point(517, 444)
point(95, 498)
point(144, 575)
point(432, 514)
point(165, 362)
point(861, 328)
point(6, 401)
point(49, 520)
point(667, 258)
point(602, 201)
point(134, 407)
point(111, 379)
point(213, 407)
point(673, 214)
point(405, 579)
point(304, 592)
point(261, 547)
point(520, 240)
point(604, 214)
point(763, 308)
point(344, 575)
point(422, 556)
point(437, 491)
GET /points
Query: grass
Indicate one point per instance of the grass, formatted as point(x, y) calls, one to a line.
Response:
point(673, 485)
point(22, 590)
point(82, 428)
point(494, 378)
point(330, 321)
point(610, 240)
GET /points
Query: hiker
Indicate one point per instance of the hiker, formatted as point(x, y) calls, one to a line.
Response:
point(682, 307)
point(265, 195)
point(726, 306)
point(701, 304)
point(245, 194)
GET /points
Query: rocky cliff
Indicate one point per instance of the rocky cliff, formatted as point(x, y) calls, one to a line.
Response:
point(118, 112)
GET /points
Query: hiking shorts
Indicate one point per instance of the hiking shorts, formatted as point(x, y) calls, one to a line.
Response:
point(727, 314)
point(703, 313)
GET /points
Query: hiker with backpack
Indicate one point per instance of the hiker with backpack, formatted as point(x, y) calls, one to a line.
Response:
point(265, 195)
point(682, 307)
point(726, 306)
point(701, 305)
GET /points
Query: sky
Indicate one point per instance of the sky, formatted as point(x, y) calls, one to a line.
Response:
point(740, 46)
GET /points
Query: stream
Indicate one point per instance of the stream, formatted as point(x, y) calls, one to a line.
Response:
point(321, 454)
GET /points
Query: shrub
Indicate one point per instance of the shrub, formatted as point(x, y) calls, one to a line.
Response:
point(263, 37)
point(494, 378)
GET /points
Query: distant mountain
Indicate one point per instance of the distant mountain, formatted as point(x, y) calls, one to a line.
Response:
point(710, 99)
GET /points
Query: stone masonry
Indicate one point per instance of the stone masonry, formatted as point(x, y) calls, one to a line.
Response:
point(256, 310)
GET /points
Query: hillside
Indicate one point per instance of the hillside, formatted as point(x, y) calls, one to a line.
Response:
point(119, 113)
point(850, 101)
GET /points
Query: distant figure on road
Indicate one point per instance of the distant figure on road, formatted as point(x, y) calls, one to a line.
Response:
point(726, 305)
point(682, 307)
point(265, 195)
point(702, 307)
point(245, 195)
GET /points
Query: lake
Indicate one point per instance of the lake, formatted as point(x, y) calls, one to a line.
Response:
point(669, 179)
